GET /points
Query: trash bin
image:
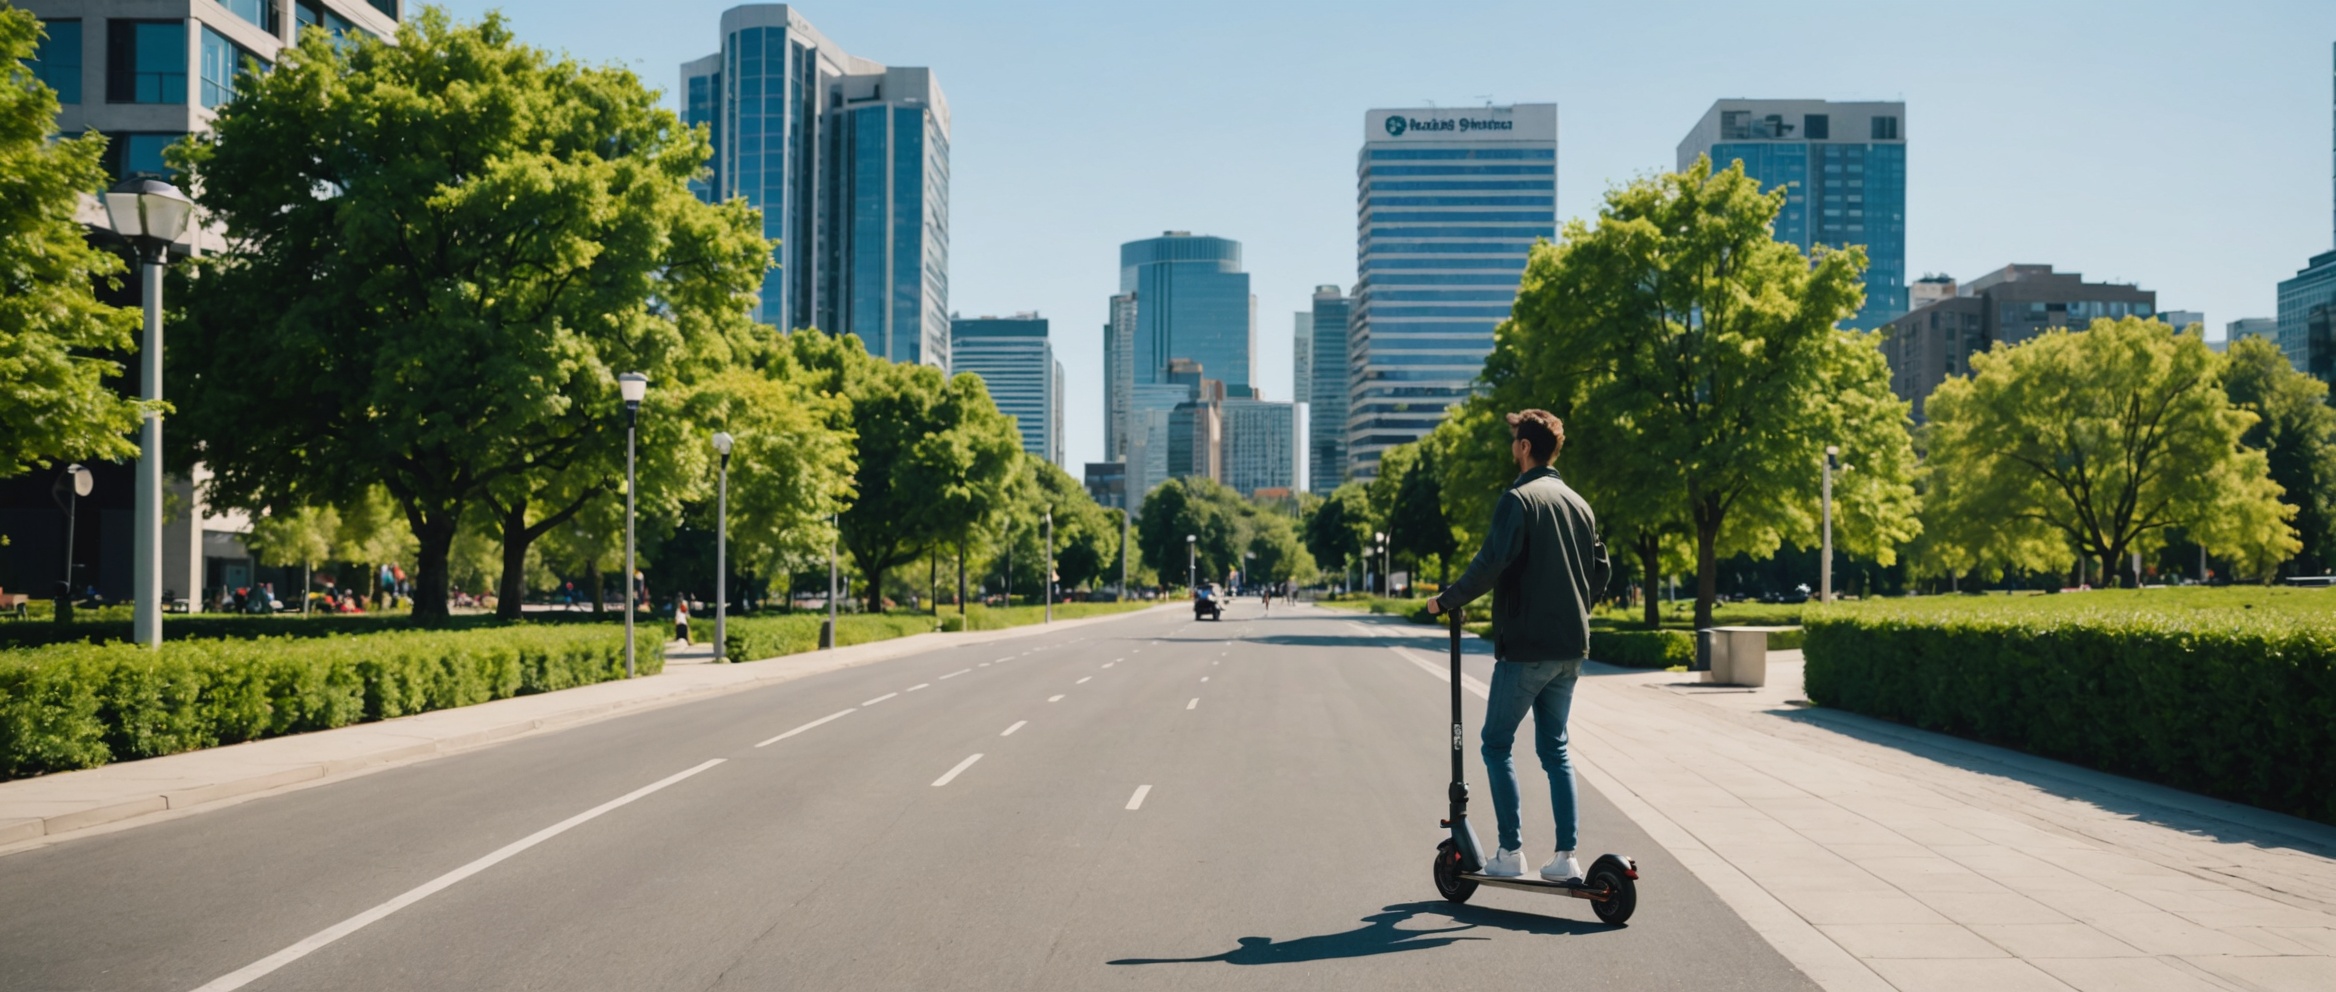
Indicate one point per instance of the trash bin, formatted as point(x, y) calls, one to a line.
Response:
point(1703, 645)
point(1738, 655)
point(826, 634)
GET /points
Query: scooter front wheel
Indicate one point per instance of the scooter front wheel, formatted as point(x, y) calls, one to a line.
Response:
point(1621, 894)
point(1449, 883)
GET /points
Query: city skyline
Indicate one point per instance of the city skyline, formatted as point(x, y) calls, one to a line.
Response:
point(2119, 158)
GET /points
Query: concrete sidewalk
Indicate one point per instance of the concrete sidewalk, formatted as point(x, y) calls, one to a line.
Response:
point(37, 811)
point(1876, 856)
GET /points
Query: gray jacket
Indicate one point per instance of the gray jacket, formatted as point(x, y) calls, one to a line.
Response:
point(1545, 566)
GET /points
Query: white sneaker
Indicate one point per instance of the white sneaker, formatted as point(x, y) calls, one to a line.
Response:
point(1506, 864)
point(1562, 868)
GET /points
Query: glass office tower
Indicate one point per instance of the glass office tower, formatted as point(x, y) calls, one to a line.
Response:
point(1015, 359)
point(1326, 388)
point(1843, 169)
point(1192, 302)
point(848, 160)
point(1449, 203)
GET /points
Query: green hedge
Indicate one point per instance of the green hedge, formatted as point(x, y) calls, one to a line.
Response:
point(81, 705)
point(756, 638)
point(1643, 648)
point(177, 626)
point(2235, 703)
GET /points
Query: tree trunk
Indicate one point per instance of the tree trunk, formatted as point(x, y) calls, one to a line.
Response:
point(933, 582)
point(961, 578)
point(435, 536)
point(1650, 559)
point(875, 577)
point(1707, 565)
point(511, 591)
point(593, 578)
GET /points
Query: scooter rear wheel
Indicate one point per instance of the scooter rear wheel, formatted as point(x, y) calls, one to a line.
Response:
point(1448, 881)
point(1621, 894)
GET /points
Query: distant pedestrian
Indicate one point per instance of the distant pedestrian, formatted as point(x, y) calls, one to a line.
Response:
point(681, 618)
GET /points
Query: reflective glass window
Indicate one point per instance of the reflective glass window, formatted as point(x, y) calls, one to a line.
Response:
point(146, 62)
point(137, 154)
point(258, 12)
point(58, 61)
point(223, 61)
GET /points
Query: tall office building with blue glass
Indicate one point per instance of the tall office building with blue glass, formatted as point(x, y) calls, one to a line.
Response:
point(1843, 169)
point(848, 160)
point(1015, 360)
point(1449, 203)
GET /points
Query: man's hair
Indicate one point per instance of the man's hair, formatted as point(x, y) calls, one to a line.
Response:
point(1542, 430)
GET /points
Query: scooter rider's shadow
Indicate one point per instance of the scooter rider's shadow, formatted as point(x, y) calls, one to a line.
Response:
point(1379, 935)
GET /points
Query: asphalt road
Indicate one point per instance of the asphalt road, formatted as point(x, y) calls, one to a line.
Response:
point(1150, 803)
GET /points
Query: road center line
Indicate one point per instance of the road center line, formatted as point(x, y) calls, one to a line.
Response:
point(1083, 680)
point(961, 766)
point(1005, 659)
point(1137, 801)
point(957, 673)
point(1204, 678)
point(920, 685)
point(1195, 703)
point(1054, 699)
point(1009, 731)
point(880, 699)
point(805, 727)
point(251, 972)
point(1108, 664)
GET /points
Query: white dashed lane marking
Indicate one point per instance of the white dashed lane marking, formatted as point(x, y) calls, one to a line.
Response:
point(1009, 731)
point(953, 773)
point(1054, 699)
point(957, 673)
point(1195, 703)
point(1083, 680)
point(880, 699)
point(805, 727)
point(920, 685)
point(1135, 801)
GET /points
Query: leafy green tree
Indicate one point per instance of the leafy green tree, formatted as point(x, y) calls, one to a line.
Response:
point(1201, 508)
point(965, 472)
point(441, 254)
point(2099, 440)
point(1416, 525)
point(1338, 528)
point(54, 334)
point(1699, 359)
point(1279, 555)
point(300, 537)
point(2296, 431)
point(791, 464)
point(1086, 536)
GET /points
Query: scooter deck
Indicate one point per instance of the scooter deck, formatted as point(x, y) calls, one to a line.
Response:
point(1529, 882)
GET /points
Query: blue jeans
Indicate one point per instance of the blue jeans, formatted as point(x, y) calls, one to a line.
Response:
point(1546, 688)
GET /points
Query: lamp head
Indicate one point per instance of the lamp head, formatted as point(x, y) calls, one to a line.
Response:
point(150, 212)
point(634, 386)
point(1189, 538)
point(722, 442)
point(1832, 449)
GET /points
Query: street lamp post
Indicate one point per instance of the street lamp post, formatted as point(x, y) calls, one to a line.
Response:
point(1049, 583)
point(1379, 548)
point(1825, 566)
point(75, 484)
point(1123, 554)
point(722, 442)
point(835, 520)
point(634, 386)
point(152, 214)
point(1192, 564)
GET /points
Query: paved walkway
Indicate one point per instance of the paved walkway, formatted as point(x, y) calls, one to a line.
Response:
point(39, 810)
point(1877, 856)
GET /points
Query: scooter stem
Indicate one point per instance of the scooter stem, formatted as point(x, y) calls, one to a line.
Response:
point(1459, 791)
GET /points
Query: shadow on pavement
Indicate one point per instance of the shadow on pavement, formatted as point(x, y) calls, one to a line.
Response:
point(2148, 802)
point(1379, 935)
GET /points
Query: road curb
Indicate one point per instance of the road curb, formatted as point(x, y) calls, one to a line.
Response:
point(21, 833)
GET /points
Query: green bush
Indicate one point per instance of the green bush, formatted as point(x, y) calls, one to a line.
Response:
point(81, 705)
point(1643, 648)
point(35, 633)
point(2228, 696)
point(756, 638)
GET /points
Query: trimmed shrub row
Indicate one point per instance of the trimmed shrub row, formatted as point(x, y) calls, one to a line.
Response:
point(82, 705)
point(36, 633)
point(2232, 705)
point(756, 638)
point(1643, 648)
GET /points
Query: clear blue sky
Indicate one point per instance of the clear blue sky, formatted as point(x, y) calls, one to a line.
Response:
point(2184, 147)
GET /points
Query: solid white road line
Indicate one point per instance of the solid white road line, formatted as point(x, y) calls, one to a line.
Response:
point(251, 972)
point(880, 699)
point(920, 685)
point(1195, 702)
point(961, 766)
point(1441, 672)
point(1137, 801)
point(1054, 699)
point(1083, 680)
point(957, 673)
point(1009, 731)
point(805, 727)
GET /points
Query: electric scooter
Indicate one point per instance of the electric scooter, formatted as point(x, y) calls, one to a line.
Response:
point(1611, 884)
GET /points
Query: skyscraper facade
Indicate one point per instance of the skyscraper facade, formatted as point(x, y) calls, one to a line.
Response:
point(1192, 301)
point(1260, 445)
point(1448, 203)
point(2307, 310)
point(848, 160)
point(1326, 389)
point(1843, 169)
point(1015, 359)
